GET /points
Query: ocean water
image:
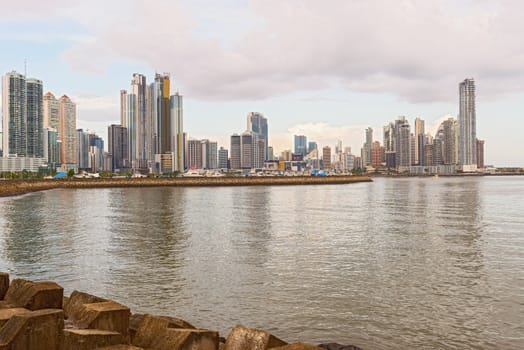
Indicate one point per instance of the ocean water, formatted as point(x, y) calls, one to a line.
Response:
point(416, 263)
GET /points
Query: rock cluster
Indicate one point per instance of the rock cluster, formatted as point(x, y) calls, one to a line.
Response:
point(36, 315)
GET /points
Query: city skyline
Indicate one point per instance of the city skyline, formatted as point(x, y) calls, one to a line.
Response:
point(323, 99)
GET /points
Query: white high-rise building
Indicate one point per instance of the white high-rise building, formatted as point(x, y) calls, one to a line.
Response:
point(467, 122)
point(22, 116)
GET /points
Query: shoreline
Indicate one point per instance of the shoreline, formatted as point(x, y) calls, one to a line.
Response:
point(10, 188)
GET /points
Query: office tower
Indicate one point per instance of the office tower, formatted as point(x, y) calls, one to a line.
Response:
point(326, 157)
point(161, 125)
point(402, 143)
point(209, 154)
point(22, 112)
point(270, 153)
point(300, 145)
point(367, 146)
point(257, 123)
point(467, 121)
point(96, 152)
point(376, 154)
point(448, 129)
point(117, 145)
point(67, 132)
point(311, 145)
point(419, 146)
point(82, 140)
point(480, 154)
point(236, 154)
point(389, 145)
point(51, 111)
point(134, 117)
point(247, 150)
point(428, 154)
point(222, 158)
point(286, 155)
point(438, 150)
point(194, 153)
point(177, 130)
point(52, 148)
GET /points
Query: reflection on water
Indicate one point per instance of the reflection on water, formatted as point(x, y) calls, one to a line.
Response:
point(413, 263)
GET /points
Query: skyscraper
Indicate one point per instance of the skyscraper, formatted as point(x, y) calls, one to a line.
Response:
point(300, 145)
point(222, 158)
point(419, 140)
point(326, 157)
point(236, 155)
point(82, 148)
point(134, 117)
point(67, 132)
point(402, 143)
point(117, 145)
point(257, 123)
point(177, 130)
point(51, 111)
point(480, 154)
point(22, 111)
point(467, 121)
point(367, 146)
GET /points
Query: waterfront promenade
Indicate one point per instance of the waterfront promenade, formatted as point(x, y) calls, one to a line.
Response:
point(18, 187)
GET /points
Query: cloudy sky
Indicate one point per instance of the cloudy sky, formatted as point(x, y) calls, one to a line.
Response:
point(326, 69)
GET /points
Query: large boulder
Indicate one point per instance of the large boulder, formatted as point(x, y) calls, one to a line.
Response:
point(243, 338)
point(6, 314)
point(164, 333)
point(87, 339)
point(35, 330)
point(4, 284)
point(35, 295)
point(107, 315)
point(172, 322)
point(74, 305)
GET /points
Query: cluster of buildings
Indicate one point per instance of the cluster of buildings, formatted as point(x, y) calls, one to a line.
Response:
point(454, 147)
point(40, 132)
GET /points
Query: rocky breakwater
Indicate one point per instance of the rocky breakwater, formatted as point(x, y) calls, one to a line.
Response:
point(37, 316)
point(17, 187)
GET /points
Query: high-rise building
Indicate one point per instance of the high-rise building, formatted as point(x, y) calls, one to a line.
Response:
point(326, 157)
point(270, 153)
point(177, 130)
point(376, 154)
point(300, 145)
point(22, 112)
point(51, 111)
point(209, 154)
point(52, 148)
point(67, 132)
point(367, 147)
point(222, 158)
point(311, 145)
point(448, 129)
point(389, 140)
point(82, 139)
point(236, 153)
point(467, 121)
point(257, 123)
point(402, 143)
point(96, 152)
point(117, 145)
point(419, 145)
point(194, 150)
point(480, 154)
point(134, 116)
point(247, 146)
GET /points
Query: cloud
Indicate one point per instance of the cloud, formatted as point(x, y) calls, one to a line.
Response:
point(416, 50)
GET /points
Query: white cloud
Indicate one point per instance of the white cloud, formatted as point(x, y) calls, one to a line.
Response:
point(418, 50)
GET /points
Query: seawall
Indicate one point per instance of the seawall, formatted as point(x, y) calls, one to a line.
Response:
point(18, 187)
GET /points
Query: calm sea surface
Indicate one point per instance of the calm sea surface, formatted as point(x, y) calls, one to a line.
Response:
point(397, 263)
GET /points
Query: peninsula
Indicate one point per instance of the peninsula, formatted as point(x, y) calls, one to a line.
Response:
point(18, 187)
